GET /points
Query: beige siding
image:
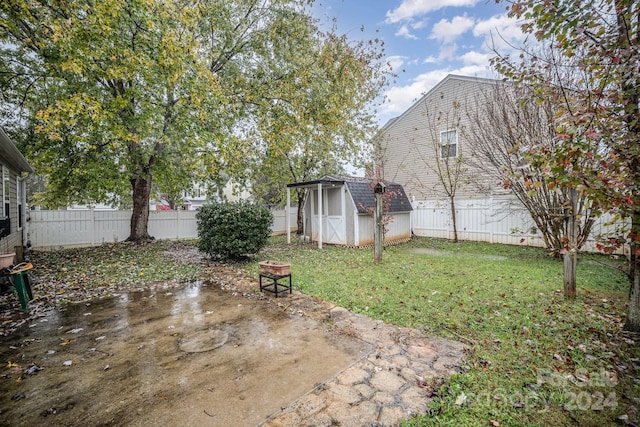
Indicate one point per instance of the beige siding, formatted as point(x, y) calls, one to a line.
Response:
point(410, 145)
point(9, 243)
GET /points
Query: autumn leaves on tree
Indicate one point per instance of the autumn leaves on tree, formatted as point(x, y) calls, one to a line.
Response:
point(585, 61)
point(118, 101)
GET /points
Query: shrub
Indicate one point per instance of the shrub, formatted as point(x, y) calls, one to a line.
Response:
point(232, 230)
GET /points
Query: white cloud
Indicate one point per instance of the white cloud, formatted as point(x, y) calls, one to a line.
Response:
point(499, 32)
point(409, 9)
point(396, 61)
point(448, 31)
point(476, 58)
point(448, 52)
point(404, 32)
point(419, 24)
point(400, 98)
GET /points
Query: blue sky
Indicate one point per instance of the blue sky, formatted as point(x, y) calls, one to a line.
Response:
point(425, 40)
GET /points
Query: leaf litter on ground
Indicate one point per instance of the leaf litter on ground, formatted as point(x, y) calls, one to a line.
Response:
point(82, 274)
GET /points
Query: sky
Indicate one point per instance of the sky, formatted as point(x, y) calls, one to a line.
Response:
point(425, 40)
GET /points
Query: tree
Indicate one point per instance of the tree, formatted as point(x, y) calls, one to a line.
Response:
point(595, 78)
point(506, 122)
point(442, 158)
point(116, 96)
point(315, 132)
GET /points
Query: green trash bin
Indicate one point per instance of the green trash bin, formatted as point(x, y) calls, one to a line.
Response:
point(20, 280)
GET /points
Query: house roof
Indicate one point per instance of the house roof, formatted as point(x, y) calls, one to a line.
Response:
point(361, 190)
point(11, 155)
point(392, 122)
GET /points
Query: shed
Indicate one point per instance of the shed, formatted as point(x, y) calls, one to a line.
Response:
point(12, 217)
point(339, 209)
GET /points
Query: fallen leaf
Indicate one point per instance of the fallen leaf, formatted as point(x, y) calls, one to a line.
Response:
point(32, 370)
point(18, 396)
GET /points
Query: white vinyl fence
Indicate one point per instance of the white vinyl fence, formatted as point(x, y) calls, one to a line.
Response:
point(488, 220)
point(81, 228)
point(495, 221)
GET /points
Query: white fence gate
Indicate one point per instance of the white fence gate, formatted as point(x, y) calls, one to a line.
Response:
point(80, 228)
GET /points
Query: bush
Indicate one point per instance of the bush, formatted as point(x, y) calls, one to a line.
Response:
point(233, 230)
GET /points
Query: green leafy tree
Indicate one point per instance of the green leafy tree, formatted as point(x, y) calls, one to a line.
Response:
point(110, 100)
point(590, 69)
point(315, 132)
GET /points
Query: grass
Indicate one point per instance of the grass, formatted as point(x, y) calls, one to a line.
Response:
point(535, 358)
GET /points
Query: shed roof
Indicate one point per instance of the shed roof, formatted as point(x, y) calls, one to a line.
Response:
point(361, 190)
point(10, 154)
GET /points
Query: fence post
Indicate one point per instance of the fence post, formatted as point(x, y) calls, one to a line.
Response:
point(92, 224)
point(490, 222)
point(178, 224)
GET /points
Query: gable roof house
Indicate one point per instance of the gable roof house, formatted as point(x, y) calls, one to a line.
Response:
point(422, 147)
point(345, 208)
point(428, 150)
point(12, 217)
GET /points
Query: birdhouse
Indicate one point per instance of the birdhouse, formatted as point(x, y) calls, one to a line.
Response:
point(380, 187)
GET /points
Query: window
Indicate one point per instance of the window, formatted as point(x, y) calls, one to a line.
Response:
point(448, 143)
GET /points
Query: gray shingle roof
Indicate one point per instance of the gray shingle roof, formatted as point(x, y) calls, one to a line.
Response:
point(361, 191)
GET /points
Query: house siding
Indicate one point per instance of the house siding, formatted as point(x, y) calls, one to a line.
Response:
point(15, 238)
point(410, 144)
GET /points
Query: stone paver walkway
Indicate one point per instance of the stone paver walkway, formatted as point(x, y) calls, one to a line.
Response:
point(391, 383)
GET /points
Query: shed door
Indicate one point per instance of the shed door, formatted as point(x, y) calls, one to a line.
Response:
point(333, 222)
point(333, 226)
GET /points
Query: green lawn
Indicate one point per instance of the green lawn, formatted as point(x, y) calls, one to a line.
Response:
point(536, 359)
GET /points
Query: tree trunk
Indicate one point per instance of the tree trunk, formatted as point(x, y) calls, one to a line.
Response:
point(633, 316)
point(571, 254)
point(570, 263)
point(378, 235)
point(300, 214)
point(141, 186)
point(453, 218)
